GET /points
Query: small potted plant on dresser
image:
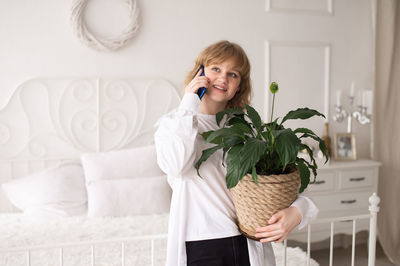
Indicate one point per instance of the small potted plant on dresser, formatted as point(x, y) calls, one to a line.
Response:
point(264, 172)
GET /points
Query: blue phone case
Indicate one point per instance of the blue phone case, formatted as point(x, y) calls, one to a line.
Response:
point(202, 90)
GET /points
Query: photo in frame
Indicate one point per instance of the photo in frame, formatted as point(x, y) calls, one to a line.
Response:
point(345, 146)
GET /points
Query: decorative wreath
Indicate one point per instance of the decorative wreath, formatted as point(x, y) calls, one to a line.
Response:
point(99, 43)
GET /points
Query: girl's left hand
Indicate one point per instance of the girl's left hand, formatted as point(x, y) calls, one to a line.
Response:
point(280, 225)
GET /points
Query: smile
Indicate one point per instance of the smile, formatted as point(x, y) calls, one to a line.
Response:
point(220, 88)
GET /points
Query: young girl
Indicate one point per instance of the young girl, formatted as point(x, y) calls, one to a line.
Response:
point(203, 224)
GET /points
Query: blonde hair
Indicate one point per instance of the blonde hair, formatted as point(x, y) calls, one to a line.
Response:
point(220, 52)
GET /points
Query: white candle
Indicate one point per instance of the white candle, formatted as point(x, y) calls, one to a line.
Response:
point(359, 97)
point(338, 97)
point(368, 101)
point(364, 98)
point(352, 89)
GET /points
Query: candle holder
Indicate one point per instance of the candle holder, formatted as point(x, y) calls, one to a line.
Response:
point(360, 115)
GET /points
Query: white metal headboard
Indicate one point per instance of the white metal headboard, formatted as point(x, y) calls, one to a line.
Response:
point(48, 121)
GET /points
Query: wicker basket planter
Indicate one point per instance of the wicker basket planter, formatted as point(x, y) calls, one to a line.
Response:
point(255, 204)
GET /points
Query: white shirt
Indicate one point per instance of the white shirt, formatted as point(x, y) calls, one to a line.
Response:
point(202, 208)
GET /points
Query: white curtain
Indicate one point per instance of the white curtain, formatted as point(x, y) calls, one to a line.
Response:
point(387, 124)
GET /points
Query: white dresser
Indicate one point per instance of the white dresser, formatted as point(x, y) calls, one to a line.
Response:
point(341, 189)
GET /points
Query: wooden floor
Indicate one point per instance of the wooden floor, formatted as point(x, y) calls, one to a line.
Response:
point(342, 250)
point(342, 256)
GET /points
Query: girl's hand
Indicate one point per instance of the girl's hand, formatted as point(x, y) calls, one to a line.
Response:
point(280, 225)
point(197, 82)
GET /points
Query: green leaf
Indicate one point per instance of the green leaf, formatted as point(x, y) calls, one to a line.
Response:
point(235, 120)
point(243, 127)
point(205, 155)
point(315, 137)
point(304, 130)
point(301, 113)
point(234, 167)
point(223, 133)
point(310, 166)
point(269, 138)
point(272, 126)
point(254, 174)
point(274, 87)
point(322, 147)
point(229, 112)
point(206, 134)
point(217, 140)
point(276, 133)
point(232, 141)
point(251, 153)
point(254, 117)
point(266, 135)
point(310, 153)
point(304, 175)
point(287, 145)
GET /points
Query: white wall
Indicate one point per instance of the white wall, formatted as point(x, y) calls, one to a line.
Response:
point(37, 41)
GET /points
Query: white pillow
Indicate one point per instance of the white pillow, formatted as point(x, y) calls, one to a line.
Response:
point(121, 164)
point(125, 182)
point(54, 192)
point(135, 196)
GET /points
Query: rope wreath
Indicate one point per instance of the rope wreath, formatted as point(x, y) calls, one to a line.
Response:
point(103, 44)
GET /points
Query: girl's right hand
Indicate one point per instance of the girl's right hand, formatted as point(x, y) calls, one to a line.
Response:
point(197, 82)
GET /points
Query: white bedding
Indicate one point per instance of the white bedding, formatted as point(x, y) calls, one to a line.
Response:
point(18, 231)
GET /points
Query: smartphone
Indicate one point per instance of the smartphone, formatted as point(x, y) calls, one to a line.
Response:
point(201, 90)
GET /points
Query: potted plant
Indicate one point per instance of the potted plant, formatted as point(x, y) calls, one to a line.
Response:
point(264, 171)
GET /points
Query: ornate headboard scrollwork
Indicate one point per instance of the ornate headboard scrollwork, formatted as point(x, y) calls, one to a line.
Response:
point(54, 120)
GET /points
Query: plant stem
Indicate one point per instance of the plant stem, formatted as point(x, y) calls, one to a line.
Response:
point(272, 111)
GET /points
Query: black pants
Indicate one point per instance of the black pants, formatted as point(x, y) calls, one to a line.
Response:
point(230, 251)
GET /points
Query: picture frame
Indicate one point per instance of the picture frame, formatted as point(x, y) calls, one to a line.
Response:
point(345, 147)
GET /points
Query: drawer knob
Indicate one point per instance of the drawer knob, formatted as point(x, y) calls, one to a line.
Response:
point(348, 201)
point(357, 179)
point(319, 182)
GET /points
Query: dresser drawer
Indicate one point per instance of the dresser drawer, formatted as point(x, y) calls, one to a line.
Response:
point(342, 201)
point(356, 179)
point(323, 182)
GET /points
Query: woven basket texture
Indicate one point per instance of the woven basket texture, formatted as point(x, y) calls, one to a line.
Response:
point(255, 204)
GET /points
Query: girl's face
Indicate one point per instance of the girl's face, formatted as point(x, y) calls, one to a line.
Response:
point(224, 81)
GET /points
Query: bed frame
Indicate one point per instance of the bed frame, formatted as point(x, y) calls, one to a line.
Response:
point(374, 209)
point(50, 121)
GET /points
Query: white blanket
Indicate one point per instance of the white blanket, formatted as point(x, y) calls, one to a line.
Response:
point(18, 231)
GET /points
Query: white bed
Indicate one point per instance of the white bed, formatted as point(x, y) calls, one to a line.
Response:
point(50, 123)
point(144, 239)
point(74, 232)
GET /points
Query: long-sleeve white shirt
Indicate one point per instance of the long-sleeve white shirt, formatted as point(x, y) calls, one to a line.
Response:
point(202, 208)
